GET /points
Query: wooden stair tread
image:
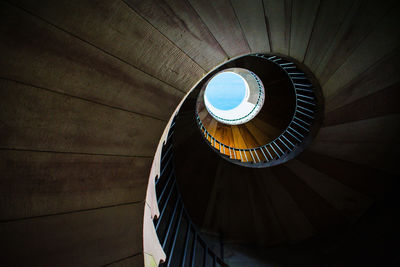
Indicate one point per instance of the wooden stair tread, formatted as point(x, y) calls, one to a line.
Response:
point(206, 121)
point(253, 134)
point(240, 144)
point(260, 137)
point(319, 212)
point(212, 127)
point(249, 139)
point(292, 219)
point(341, 197)
point(225, 136)
point(363, 179)
point(273, 229)
point(271, 131)
point(202, 114)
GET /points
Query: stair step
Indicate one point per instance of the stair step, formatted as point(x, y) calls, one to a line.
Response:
point(292, 219)
point(270, 131)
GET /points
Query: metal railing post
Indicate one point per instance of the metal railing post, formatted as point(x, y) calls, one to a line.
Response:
point(193, 256)
point(186, 244)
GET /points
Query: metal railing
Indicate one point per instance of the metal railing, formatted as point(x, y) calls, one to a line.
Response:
point(179, 237)
point(294, 134)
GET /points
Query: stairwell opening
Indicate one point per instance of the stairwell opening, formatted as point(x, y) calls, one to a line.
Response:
point(234, 96)
point(271, 115)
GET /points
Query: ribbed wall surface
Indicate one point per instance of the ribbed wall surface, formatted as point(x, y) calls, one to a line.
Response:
point(88, 86)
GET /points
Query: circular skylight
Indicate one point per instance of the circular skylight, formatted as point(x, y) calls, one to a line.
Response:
point(234, 96)
point(226, 90)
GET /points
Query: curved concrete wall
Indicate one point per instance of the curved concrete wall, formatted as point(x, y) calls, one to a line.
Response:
point(87, 88)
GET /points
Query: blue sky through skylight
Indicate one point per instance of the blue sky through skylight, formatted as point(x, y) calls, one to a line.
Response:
point(226, 90)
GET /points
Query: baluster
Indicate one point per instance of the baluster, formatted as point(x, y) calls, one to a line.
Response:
point(301, 126)
point(244, 152)
point(264, 154)
point(302, 84)
point(301, 112)
point(165, 188)
point(257, 155)
point(306, 123)
point(205, 255)
point(165, 205)
point(278, 146)
point(305, 96)
point(251, 154)
point(175, 236)
point(288, 140)
point(295, 131)
point(170, 223)
point(285, 144)
point(274, 150)
point(166, 165)
point(186, 242)
point(309, 110)
point(192, 260)
point(303, 101)
point(293, 136)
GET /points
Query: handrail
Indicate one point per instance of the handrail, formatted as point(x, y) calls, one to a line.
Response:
point(174, 228)
point(293, 135)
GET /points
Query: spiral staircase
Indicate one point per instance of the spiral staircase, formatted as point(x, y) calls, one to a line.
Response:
point(282, 127)
point(90, 90)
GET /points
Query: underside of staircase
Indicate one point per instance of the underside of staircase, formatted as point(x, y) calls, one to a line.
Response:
point(88, 87)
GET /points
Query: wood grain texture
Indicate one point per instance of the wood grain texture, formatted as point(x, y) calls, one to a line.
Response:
point(228, 135)
point(219, 134)
point(382, 41)
point(214, 199)
point(250, 135)
point(251, 18)
point(180, 23)
point(249, 139)
point(293, 221)
point(260, 137)
point(304, 14)
point(212, 126)
point(376, 155)
point(362, 178)
point(137, 260)
point(87, 238)
point(37, 119)
point(207, 120)
point(42, 55)
point(43, 183)
point(384, 129)
point(327, 23)
point(352, 203)
point(115, 28)
point(240, 143)
point(279, 14)
point(357, 25)
point(372, 141)
point(224, 134)
point(322, 216)
point(266, 227)
point(274, 230)
point(221, 19)
point(381, 103)
point(235, 183)
point(203, 114)
point(268, 129)
point(238, 139)
point(378, 76)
